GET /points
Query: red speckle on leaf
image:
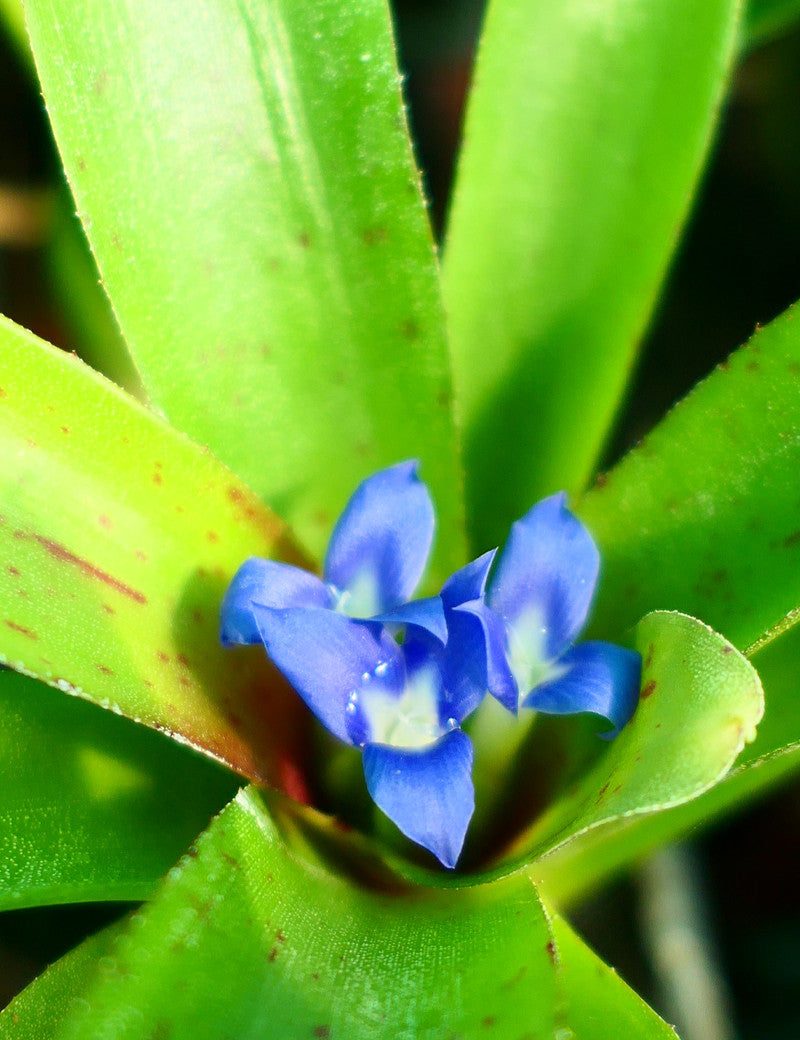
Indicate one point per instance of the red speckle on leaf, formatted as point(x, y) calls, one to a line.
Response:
point(648, 689)
point(23, 631)
point(12, 571)
point(63, 555)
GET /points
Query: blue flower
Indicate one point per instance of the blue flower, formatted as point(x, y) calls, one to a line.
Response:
point(335, 640)
point(375, 559)
point(536, 605)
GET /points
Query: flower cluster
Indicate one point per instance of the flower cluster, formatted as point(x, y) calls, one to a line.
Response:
point(397, 678)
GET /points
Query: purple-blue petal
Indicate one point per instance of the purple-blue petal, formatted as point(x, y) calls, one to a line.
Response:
point(327, 657)
point(271, 584)
point(548, 568)
point(423, 613)
point(427, 793)
point(468, 583)
point(600, 678)
point(383, 537)
point(500, 680)
point(463, 666)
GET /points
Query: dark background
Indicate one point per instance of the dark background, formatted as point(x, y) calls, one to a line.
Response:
point(737, 268)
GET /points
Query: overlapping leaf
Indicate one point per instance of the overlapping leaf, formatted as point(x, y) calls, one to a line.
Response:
point(247, 938)
point(118, 538)
point(246, 181)
point(700, 703)
point(576, 868)
point(585, 133)
point(91, 805)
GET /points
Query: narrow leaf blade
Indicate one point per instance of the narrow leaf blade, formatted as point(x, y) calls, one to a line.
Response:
point(246, 181)
point(585, 133)
point(713, 488)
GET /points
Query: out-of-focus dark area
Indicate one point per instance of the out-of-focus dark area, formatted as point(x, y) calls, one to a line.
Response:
point(738, 266)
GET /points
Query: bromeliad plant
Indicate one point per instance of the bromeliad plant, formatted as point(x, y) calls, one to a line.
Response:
point(244, 176)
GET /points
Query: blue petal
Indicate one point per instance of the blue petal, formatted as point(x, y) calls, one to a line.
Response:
point(424, 613)
point(468, 583)
point(546, 575)
point(500, 679)
point(380, 545)
point(271, 584)
point(428, 793)
point(327, 657)
point(600, 678)
point(464, 666)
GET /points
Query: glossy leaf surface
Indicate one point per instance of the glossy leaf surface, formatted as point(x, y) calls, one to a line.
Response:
point(700, 702)
point(585, 133)
point(248, 939)
point(599, 1005)
point(118, 538)
point(247, 183)
point(772, 757)
point(91, 805)
point(704, 516)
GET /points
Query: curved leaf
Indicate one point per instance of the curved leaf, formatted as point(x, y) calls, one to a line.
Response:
point(773, 756)
point(700, 703)
point(246, 181)
point(248, 939)
point(703, 516)
point(92, 806)
point(118, 539)
point(585, 133)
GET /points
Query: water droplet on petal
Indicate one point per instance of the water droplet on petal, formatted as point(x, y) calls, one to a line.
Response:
point(451, 724)
point(365, 678)
point(380, 669)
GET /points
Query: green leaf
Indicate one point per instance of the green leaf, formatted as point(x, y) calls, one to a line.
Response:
point(585, 134)
point(700, 703)
point(118, 538)
point(248, 187)
point(773, 756)
point(83, 305)
point(92, 806)
point(599, 1005)
point(768, 18)
point(249, 939)
point(702, 517)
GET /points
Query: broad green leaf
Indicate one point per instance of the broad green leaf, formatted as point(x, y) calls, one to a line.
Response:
point(768, 18)
point(700, 703)
point(92, 806)
point(248, 939)
point(247, 183)
point(703, 516)
point(773, 756)
point(584, 137)
point(599, 1005)
point(118, 538)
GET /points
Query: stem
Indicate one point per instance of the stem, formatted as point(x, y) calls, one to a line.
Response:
point(680, 940)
